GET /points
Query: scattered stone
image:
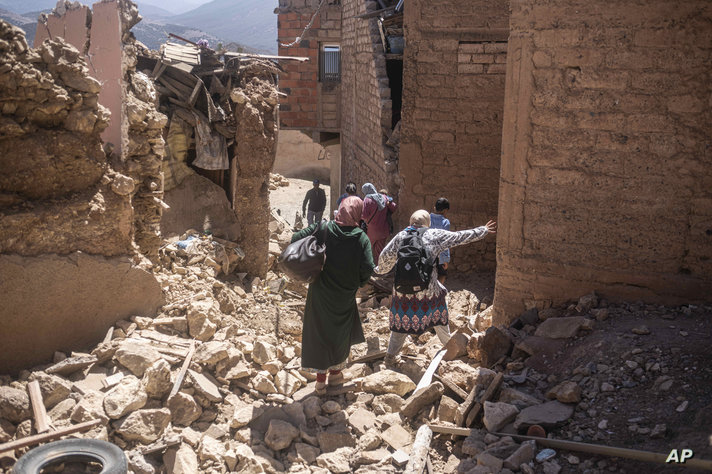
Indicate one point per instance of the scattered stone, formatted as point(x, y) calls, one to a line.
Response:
point(565, 392)
point(641, 330)
point(306, 452)
point(606, 387)
point(157, 379)
point(586, 302)
point(245, 415)
point(127, 396)
point(400, 458)
point(145, 426)
point(337, 461)
point(71, 365)
point(330, 407)
point(422, 398)
point(388, 403)
point(371, 457)
point(658, 431)
point(184, 409)
point(523, 455)
point(547, 415)
point(515, 397)
point(54, 389)
point(205, 386)
point(494, 344)
point(137, 357)
point(447, 409)
point(498, 414)
point(388, 381)
point(682, 407)
point(551, 467)
point(280, 435)
point(331, 440)
point(603, 424)
point(211, 352)
point(89, 408)
point(263, 383)
point(362, 421)
point(473, 444)
point(263, 352)
point(396, 437)
point(456, 346)
point(560, 328)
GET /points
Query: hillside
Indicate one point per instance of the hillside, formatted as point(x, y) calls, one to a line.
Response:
point(249, 22)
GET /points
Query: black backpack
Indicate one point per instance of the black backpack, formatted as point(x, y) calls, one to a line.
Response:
point(414, 266)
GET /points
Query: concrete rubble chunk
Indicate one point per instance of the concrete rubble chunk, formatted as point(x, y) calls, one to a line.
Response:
point(211, 352)
point(388, 403)
point(333, 439)
point(447, 409)
point(245, 415)
point(547, 415)
point(263, 352)
point(422, 398)
point(71, 365)
point(396, 437)
point(517, 398)
point(182, 460)
point(127, 396)
point(202, 319)
point(263, 383)
point(280, 435)
point(489, 347)
point(498, 414)
point(205, 386)
point(157, 379)
point(474, 444)
point(14, 404)
point(388, 381)
point(211, 449)
point(90, 407)
point(54, 389)
point(565, 392)
point(337, 461)
point(489, 461)
point(145, 426)
point(307, 452)
point(371, 457)
point(362, 421)
point(523, 455)
point(184, 409)
point(286, 383)
point(136, 357)
point(560, 328)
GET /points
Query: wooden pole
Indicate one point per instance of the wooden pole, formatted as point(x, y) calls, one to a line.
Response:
point(611, 451)
point(489, 393)
point(52, 435)
point(183, 370)
point(419, 452)
point(38, 408)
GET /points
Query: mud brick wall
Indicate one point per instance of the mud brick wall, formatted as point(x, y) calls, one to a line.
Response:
point(453, 102)
point(309, 103)
point(366, 99)
point(606, 163)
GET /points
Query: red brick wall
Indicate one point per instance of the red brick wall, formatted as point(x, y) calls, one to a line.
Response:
point(453, 101)
point(299, 80)
point(606, 179)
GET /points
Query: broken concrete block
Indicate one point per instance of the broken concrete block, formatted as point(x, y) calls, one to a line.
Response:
point(422, 398)
point(280, 435)
point(388, 381)
point(127, 396)
point(498, 414)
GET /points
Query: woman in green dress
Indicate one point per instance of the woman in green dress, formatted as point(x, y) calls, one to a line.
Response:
point(331, 320)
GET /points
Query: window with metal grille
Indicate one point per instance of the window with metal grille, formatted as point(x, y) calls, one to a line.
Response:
point(330, 63)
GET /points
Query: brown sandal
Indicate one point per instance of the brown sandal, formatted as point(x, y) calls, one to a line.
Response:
point(320, 388)
point(337, 379)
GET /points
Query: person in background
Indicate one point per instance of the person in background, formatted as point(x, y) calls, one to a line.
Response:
point(439, 220)
point(416, 313)
point(389, 216)
point(350, 191)
point(331, 319)
point(375, 215)
point(316, 197)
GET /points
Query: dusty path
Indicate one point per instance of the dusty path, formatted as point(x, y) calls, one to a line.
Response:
point(288, 199)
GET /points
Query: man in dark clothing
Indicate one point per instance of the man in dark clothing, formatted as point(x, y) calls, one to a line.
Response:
point(316, 197)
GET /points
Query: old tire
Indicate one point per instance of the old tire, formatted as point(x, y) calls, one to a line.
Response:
point(110, 456)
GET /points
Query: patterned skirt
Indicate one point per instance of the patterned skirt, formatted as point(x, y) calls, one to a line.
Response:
point(412, 314)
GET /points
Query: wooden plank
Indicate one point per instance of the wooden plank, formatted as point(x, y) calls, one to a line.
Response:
point(183, 370)
point(489, 393)
point(452, 386)
point(178, 85)
point(161, 70)
point(370, 357)
point(194, 94)
point(419, 452)
point(177, 92)
point(38, 408)
point(465, 406)
point(428, 375)
point(267, 56)
point(52, 435)
point(612, 451)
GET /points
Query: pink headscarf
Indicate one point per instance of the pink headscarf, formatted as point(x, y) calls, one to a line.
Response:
point(349, 212)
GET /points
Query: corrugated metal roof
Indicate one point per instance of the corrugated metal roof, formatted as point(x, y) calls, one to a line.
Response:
point(188, 54)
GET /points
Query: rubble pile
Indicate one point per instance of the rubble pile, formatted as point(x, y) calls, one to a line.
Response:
point(276, 181)
point(59, 193)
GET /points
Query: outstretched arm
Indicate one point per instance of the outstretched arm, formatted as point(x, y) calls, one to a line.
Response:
point(443, 239)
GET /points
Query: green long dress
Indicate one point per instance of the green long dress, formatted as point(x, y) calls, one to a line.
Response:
point(331, 320)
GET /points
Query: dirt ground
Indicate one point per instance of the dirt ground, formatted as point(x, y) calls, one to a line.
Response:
point(288, 199)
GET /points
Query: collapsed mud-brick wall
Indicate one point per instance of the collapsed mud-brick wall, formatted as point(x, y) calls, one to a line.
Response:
point(453, 101)
point(134, 132)
point(67, 258)
point(606, 180)
point(255, 110)
point(366, 105)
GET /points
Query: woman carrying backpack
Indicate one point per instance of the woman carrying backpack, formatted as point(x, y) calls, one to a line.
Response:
point(331, 320)
point(418, 302)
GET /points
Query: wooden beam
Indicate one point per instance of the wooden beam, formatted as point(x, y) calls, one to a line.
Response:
point(452, 386)
point(375, 13)
point(465, 406)
point(38, 408)
point(183, 370)
point(489, 393)
point(52, 435)
point(266, 56)
point(194, 94)
point(370, 357)
point(428, 375)
point(419, 452)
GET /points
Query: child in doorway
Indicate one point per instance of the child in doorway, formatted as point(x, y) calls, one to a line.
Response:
point(438, 220)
